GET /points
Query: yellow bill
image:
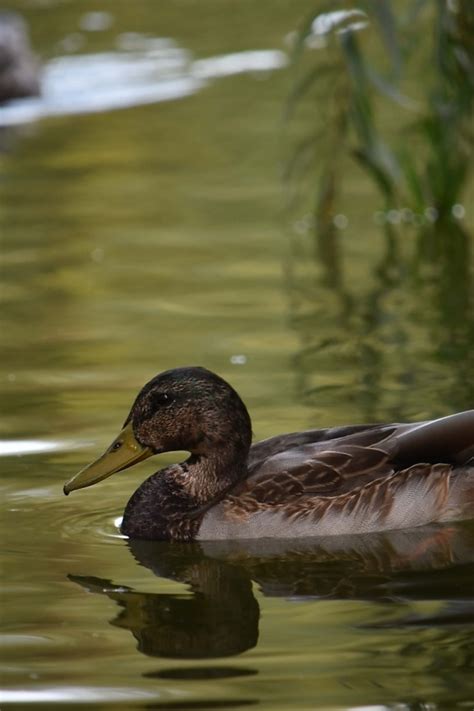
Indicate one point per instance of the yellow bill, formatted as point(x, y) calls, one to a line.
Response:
point(124, 452)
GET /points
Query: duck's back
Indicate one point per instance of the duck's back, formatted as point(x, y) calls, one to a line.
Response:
point(354, 479)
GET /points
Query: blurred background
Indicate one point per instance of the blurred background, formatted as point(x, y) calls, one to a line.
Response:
point(280, 191)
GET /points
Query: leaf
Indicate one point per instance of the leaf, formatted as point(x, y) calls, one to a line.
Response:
point(302, 156)
point(389, 90)
point(382, 10)
point(413, 181)
point(302, 87)
point(382, 178)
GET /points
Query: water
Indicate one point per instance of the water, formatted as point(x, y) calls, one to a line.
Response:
point(141, 239)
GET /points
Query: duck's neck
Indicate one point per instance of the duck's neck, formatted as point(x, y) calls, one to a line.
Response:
point(170, 505)
point(207, 477)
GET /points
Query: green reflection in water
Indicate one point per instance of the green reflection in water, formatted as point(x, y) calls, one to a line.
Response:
point(382, 301)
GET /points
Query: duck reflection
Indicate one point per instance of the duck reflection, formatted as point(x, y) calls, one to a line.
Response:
point(221, 616)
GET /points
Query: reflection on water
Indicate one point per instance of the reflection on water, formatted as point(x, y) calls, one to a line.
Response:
point(406, 334)
point(156, 70)
point(30, 446)
point(415, 581)
point(219, 620)
point(383, 311)
point(221, 616)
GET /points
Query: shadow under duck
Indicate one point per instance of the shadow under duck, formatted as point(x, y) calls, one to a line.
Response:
point(336, 481)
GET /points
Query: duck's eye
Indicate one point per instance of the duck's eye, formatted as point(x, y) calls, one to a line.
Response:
point(161, 399)
point(115, 446)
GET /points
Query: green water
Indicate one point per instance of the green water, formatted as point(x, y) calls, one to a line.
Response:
point(138, 240)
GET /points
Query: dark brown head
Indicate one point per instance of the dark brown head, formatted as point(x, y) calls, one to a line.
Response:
point(188, 409)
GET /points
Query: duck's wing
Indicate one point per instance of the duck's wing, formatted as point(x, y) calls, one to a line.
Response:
point(267, 448)
point(340, 460)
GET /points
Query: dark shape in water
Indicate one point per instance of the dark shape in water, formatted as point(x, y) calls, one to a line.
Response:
point(219, 620)
point(221, 617)
point(19, 69)
point(201, 673)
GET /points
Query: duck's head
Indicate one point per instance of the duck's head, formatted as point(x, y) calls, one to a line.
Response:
point(188, 409)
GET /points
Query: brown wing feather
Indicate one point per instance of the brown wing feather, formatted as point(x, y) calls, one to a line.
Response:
point(337, 461)
point(320, 473)
point(317, 462)
point(359, 434)
point(307, 480)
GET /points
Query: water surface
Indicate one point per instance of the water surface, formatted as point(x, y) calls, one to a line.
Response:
point(137, 240)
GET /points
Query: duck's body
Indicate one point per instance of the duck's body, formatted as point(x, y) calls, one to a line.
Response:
point(343, 480)
point(347, 480)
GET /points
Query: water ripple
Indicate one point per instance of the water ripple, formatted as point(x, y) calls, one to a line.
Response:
point(102, 526)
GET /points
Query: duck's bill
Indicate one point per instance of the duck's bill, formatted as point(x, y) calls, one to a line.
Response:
point(124, 452)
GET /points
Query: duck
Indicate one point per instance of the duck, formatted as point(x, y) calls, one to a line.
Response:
point(342, 480)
